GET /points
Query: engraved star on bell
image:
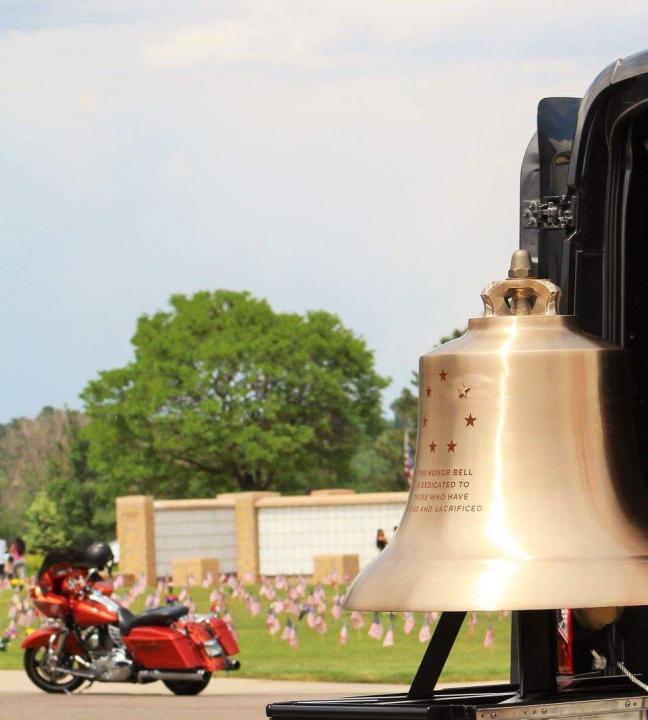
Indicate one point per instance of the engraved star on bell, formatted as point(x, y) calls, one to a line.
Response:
point(463, 390)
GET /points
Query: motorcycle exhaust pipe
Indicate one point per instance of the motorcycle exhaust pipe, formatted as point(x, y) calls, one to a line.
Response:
point(78, 673)
point(144, 675)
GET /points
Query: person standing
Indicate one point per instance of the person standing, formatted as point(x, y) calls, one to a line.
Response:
point(17, 553)
point(381, 540)
point(3, 557)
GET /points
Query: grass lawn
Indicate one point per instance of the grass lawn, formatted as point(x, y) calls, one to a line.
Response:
point(323, 657)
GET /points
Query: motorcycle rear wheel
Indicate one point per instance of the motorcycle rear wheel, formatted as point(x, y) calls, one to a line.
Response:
point(33, 661)
point(188, 687)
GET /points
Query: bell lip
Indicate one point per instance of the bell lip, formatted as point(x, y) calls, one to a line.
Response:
point(614, 599)
point(490, 608)
point(457, 585)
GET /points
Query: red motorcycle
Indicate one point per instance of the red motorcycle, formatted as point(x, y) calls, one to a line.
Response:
point(90, 637)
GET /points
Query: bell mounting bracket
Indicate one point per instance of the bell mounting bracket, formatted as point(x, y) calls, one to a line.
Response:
point(554, 212)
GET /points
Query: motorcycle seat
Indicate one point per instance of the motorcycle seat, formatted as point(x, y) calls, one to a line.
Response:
point(161, 616)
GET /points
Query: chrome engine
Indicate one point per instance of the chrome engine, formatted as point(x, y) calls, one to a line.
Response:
point(113, 666)
point(109, 661)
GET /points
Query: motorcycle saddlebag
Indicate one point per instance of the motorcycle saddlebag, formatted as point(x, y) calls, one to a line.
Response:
point(163, 648)
point(224, 635)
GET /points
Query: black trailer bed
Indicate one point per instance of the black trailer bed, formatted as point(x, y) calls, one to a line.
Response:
point(492, 702)
point(446, 704)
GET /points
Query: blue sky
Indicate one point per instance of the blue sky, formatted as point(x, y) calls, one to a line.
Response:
point(361, 157)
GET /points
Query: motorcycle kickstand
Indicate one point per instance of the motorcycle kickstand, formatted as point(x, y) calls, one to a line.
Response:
point(83, 689)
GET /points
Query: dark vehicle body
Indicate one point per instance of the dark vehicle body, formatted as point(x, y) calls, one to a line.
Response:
point(584, 219)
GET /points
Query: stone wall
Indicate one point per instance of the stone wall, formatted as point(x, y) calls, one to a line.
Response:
point(253, 534)
point(293, 530)
point(195, 528)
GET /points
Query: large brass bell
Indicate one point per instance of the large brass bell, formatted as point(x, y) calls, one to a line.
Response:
point(526, 493)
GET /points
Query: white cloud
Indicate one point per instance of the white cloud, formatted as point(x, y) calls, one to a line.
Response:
point(359, 156)
point(307, 34)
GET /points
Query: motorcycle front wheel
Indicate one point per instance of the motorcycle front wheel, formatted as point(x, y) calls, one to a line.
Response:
point(37, 671)
point(188, 687)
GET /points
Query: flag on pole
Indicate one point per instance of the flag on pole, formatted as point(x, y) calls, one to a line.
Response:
point(408, 458)
point(376, 628)
point(489, 638)
point(409, 623)
point(425, 633)
point(357, 621)
point(343, 636)
point(389, 636)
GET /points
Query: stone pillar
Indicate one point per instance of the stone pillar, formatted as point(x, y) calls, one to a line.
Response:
point(198, 568)
point(342, 568)
point(136, 536)
point(247, 535)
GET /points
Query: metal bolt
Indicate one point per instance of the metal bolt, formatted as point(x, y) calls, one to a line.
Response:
point(521, 265)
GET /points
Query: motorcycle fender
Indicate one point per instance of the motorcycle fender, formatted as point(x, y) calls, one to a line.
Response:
point(40, 638)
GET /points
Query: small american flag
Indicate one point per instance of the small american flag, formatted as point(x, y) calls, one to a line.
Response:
point(408, 459)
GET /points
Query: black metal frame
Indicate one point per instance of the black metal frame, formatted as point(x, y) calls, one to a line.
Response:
point(533, 654)
point(533, 681)
point(436, 654)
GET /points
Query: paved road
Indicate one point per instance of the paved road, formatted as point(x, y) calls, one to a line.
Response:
point(231, 698)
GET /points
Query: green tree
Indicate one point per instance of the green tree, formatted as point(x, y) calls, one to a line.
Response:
point(43, 525)
point(405, 407)
point(226, 394)
point(72, 486)
point(27, 448)
point(379, 462)
point(456, 333)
